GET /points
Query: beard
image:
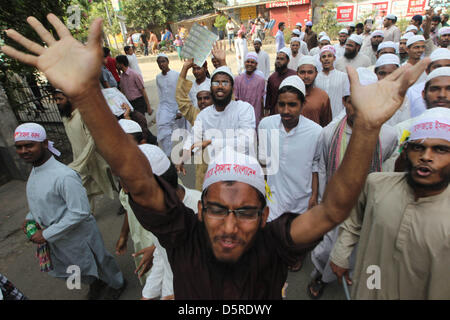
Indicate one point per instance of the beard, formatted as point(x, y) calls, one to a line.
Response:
point(431, 104)
point(280, 69)
point(350, 55)
point(65, 110)
point(375, 46)
point(222, 102)
point(429, 187)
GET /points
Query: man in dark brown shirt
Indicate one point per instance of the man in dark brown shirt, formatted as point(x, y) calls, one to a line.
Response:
point(281, 72)
point(310, 36)
point(229, 248)
point(317, 105)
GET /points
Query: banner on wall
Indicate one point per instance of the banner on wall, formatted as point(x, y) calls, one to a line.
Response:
point(279, 4)
point(344, 14)
point(416, 7)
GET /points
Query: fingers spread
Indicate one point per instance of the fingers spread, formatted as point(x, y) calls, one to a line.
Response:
point(353, 77)
point(18, 55)
point(26, 43)
point(60, 28)
point(41, 31)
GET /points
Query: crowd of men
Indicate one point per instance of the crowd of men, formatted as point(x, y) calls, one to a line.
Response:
point(342, 152)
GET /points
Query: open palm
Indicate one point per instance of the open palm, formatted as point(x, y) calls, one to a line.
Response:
point(68, 64)
point(377, 103)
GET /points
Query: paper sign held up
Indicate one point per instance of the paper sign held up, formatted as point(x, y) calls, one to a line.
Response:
point(198, 44)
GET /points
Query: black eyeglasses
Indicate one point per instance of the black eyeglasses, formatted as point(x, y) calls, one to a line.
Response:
point(219, 213)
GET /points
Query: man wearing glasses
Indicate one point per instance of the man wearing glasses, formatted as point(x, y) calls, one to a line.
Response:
point(233, 257)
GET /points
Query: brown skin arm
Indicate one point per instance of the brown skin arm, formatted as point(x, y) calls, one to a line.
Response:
point(374, 105)
point(313, 200)
point(69, 59)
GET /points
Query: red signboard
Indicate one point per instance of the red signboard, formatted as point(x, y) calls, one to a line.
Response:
point(380, 6)
point(345, 14)
point(416, 7)
point(277, 4)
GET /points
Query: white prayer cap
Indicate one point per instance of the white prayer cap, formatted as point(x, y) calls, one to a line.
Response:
point(296, 39)
point(391, 16)
point(252, 55)
point(205, 86)
point(162, 55)
point(407, 35)
point(322, 33)
point(31, 131)
point(257, 40)
point(377, 33)
point(355, 38)
point(294, 81)
point(440, 54)
point(344, 31)
point(351, 24)
point(307, 60)
point(366, 77)
point(231, 165)
point(414, 39)
point(444, 30)
point(309, 24)
point(439, 72)
point(387, 44)
point(157, 158)
point(298, 24)
point(411, 27)
point(130, 126)
point(325, 37)
point(297, 32)
point(286, 51)
point(433, 123)
point(387, 58)
point(223, 69)
point(328, 47)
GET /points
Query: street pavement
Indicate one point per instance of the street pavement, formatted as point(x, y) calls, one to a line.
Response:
point(17, 254)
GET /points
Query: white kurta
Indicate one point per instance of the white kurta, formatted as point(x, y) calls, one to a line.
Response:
point(417, 103)
point(194, 90)
point(133, 63)
point(361, 60)
point(369, 53)
point(293, 61)
point(234, 126)
point(264, 64)
point(241, 51)
point(59, 203)
point(340, 50)
point(333, 84)
point(167, 109)
point(291, 185)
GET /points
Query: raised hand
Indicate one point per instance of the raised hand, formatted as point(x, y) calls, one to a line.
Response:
point(218, 51)
point(67, 63)
point(376, 103)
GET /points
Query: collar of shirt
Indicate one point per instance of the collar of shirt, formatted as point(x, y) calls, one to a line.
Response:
point(293, 130)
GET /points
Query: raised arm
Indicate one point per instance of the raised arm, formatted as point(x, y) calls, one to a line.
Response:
point(75, 69)
point(374, 105)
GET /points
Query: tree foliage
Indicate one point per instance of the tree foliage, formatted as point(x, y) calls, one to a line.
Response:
point(328, 22)
point(144, 13)
point(13, 14)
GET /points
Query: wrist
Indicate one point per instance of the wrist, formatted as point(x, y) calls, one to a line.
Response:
point(85, 97)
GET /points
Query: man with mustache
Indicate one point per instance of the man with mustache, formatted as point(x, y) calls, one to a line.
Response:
point(401, 222)
point(294, 187)
point(352, 55)
point(227, 251)
point(281, 72)
point(371, 51)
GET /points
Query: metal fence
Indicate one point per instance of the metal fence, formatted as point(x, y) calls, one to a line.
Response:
point(35, 103)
